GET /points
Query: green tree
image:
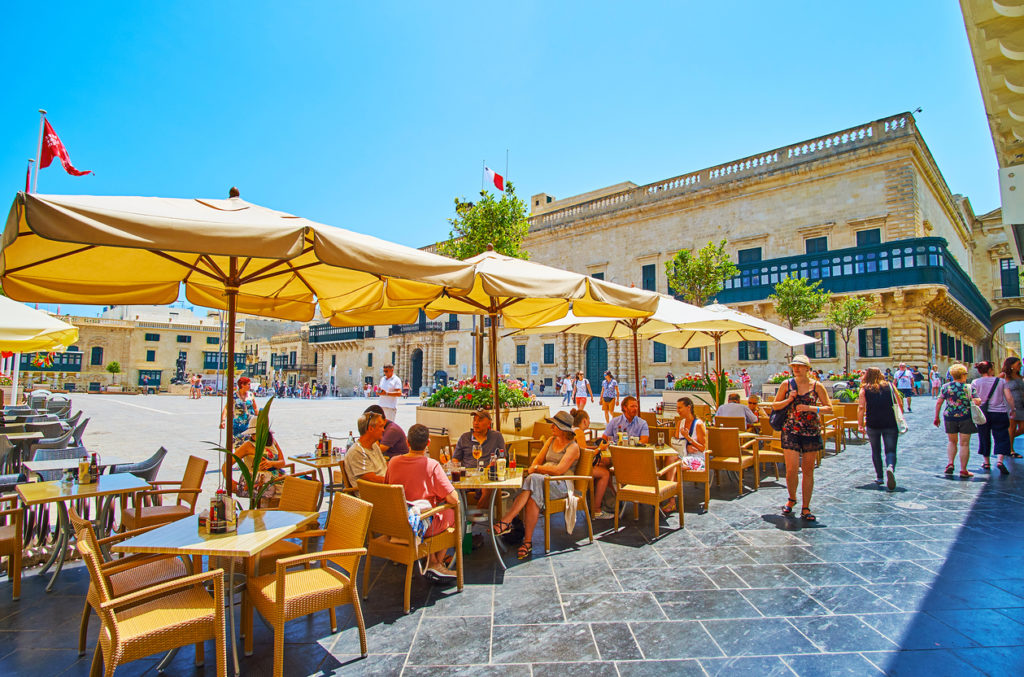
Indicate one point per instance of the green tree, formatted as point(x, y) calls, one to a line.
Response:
point(699, 277)
point(488, 221)
point(114, 368)
point(797, 300)
point(845, 316)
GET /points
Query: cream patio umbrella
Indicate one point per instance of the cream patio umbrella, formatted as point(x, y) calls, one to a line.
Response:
point(669, 316)
point(525, 294)
point(25, 330)
point(229, 254)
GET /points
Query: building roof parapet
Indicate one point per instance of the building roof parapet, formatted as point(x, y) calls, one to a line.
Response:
point(854, 138)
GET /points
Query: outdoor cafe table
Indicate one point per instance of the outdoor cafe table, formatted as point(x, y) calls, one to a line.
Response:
point(321, 463)
point(257, 529)
point(18, 440)
point(104, 490)
point(69, 463)
point(481, 483)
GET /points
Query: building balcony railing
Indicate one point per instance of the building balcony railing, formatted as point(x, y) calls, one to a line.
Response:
point(217, 361)
point(396, 329)
point(66, 361)
point(914, 261)
point(451, 325)
point(327, 333)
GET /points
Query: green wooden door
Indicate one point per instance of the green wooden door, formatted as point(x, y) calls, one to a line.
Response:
point(597, 362)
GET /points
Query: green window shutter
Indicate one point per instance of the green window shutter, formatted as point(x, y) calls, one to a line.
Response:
point(762, 350)
point(832, 343)
point(809, 349)
point(862, 342)
point(743, 350)
point(885, 342)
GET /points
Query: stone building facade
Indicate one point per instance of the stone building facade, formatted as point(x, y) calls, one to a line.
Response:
point(865, 210)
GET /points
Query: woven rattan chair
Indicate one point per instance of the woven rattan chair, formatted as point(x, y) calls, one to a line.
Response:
point(73, 421)
point(128, 574)
point(738, 422)
point(699, 477)
point(189, 488)
point(650, 417)
point(11, 542)
point(283, 595)
point(79, 432)
point(297, 495)
point(439, 445)
point(727, 453)
point(154, 619)
point(640, 482)
point(392, 538)
point(144, 470)
point(581, 482)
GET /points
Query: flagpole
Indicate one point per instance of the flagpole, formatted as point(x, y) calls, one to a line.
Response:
point(506, 164)
point(483, 175)
point(28, 176)
point(39, 149)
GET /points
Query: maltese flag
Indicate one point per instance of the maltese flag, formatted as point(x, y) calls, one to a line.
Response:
point(494, 177)
point(53, 148)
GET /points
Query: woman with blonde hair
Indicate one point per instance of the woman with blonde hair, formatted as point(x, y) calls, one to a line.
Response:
point(956, 395)
point(877, 419)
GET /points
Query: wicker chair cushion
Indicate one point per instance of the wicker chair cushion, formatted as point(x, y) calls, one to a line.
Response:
point(157, 514)
point(665, 488)
point(306, 590)
point(181, 614)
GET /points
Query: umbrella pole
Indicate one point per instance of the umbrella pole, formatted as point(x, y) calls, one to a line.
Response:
point(231, 290)
point(636, 365)
point(493, 348)
point(15, 373)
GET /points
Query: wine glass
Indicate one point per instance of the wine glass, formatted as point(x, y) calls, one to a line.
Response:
point(477, 453)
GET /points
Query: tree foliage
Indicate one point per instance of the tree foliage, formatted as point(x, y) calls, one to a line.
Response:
point(698, 277)
point(489, 221)
point(114, 367)
point(845, 316)
point(798, 300)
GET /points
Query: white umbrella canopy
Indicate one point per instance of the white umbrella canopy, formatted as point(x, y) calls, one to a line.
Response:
point(24, 329)
point(524, 293)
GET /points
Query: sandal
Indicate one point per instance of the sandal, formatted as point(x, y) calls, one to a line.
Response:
point(986, 466)
point(949, 469)
point(806, 515)
point(525, 550)
point(1014, 454)
point(966, 474)
point(670, 506)
point(788, 508)
point(502, 528)
point(1002, 469)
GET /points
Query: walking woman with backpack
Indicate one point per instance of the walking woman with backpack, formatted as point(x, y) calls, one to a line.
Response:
point(997, 403)
point(804, 400)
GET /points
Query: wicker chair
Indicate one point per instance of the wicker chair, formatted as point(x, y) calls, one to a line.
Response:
point(73, 421)
point(49, 429)
point(581, 483)
point(439, 445)
point(392, 538)
point(145, 470)
point(11, 542)
point(153, 619)
point(640, 482)
point(284, 595)
point(738, 422)
point(59, 442)
point(189, 488)
point(297, 495)
point(79, 431)
point(128, 574)
point(57, 454)
point(728, 454)
point(700, 477)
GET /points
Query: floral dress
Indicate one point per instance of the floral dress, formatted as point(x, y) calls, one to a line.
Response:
point(802, 430)
point(957, 399)
point(245, 411)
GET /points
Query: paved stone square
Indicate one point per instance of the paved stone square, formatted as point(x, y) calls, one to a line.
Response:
point(924, 580)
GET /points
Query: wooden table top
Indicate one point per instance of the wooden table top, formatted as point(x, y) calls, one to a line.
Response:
point(514, 481)
point(34, 493)
point(20, 436)
point(64, 463)
point(318, 461)
point(257, 529)
point(512, 437)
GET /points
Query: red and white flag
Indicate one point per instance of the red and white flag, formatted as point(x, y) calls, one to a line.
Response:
point(53, 148)
point(494, 177)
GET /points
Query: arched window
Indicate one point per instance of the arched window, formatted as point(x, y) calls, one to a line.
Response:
point(96, 357)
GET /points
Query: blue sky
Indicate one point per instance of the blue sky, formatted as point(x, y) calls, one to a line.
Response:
point(374, 116)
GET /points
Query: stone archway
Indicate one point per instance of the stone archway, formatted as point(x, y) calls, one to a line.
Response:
point(1002, 316)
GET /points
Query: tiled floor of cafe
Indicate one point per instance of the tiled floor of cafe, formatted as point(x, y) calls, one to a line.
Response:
point(926, 580)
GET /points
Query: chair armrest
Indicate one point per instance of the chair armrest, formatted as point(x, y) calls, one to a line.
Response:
point(748, 444)
point(311, 533)
point(437, 509)
point(10, 498)
point(126, 534)
point(115, 566)
point(550, 478)
point(674, 464)
point(157, 483)
point(286, 562)
point(151, 492)
point(164, 588)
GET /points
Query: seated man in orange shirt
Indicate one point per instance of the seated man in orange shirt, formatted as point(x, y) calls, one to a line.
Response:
point(424, 479)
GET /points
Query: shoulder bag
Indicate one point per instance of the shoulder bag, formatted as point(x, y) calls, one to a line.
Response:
point(777, 419)
point(978, 413)
point(901, 423)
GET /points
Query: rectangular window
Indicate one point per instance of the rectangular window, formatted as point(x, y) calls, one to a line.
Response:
point(1009, 275)
point(959, 349)
point(969, 354)
point(816, 245)
point(659, 352)
point(866, 238)
point(451, 356)
point(597, 276)
point(150, 356)
point(369, 359)
point(96, 357)
point(549, 353)
point(520, 354)
point(184, 338)
point(647, 277)
point(752, 255)
point(693, 354)
point(152, 337)
point(874, 342)
point(825, 349)
point(212, 340)
point(392, 357)
point(293, 356)
point(334, 360)
point(753, 351)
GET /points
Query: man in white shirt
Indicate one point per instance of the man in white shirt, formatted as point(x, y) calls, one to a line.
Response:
point(390, 391)
point(905, 383)
point(733, 408)
point(364, 459)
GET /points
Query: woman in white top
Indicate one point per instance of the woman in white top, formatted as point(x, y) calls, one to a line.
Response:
point(581, 389)
point(691, 430)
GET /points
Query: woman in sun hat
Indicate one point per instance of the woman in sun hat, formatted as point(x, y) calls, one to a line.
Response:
point(805, 400)
point(558, 457)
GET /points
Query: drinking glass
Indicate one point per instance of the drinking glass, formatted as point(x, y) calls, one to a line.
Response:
point(661, 439)
point(477, 453)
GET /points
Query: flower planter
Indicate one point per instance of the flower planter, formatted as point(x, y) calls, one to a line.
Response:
point(670, 397)
point(458, 421)
point(768, 391)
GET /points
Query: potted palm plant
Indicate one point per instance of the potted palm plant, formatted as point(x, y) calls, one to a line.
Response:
point(254, 485)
